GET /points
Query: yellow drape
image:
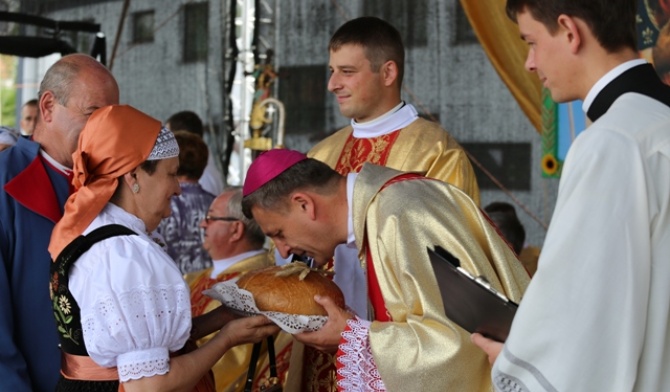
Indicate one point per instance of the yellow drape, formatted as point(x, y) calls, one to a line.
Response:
point(499, 37)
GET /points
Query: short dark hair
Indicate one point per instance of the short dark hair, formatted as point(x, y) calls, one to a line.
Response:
point(306, 174)
point(32, 102)
point(612, 22)
point(185, 120)
point(193, 155)
point(382, 42)
point(503, 215)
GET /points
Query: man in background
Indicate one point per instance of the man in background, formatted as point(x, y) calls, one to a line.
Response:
point(235, 245)
point(29, 113)
point(35, 182)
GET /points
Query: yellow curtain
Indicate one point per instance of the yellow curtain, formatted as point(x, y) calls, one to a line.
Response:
point(499, 37)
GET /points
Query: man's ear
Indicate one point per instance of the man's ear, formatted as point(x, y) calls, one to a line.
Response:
point(238, 231)
point(389, 72)
point(304, 203)
point(46, 105)
point(569, 26)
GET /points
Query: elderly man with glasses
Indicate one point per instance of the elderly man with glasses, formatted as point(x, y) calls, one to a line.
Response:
point(235, 244)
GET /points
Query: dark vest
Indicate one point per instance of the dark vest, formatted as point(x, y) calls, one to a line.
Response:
point(65, 307)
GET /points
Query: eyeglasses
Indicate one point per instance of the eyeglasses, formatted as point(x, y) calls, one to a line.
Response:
point(209, 218)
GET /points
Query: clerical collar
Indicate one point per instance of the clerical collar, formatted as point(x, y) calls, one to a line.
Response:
point(219, 266)
point(351, 179)
point(396, 118)
point(55, 164)
point(607, 79)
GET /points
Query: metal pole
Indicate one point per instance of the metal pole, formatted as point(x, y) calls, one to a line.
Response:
point(246, 60)
point(122, 19)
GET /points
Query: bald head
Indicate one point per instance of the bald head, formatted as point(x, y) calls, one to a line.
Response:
point(72, 89)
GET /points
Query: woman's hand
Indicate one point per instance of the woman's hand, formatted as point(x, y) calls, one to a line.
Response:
point(248, 330)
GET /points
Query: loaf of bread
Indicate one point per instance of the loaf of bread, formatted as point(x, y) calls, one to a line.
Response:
point(290, 289)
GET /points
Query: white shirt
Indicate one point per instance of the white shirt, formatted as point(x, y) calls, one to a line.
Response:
point(135, 305)
point(220, 266)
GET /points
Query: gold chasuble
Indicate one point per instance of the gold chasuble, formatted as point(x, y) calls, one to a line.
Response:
point(422, 147)
point(421, 349)
point(230, 371)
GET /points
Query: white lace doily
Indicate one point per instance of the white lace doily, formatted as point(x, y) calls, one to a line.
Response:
point(241, 300)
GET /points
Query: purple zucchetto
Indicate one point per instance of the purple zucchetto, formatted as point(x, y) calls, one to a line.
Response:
point(269, 165)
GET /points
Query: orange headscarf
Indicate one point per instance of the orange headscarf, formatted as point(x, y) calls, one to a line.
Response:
point(115, 140)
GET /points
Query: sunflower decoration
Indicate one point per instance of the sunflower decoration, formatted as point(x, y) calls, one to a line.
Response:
point(550, 165)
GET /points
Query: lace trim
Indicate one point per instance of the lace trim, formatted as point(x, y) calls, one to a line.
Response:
point(146, 363)
point(357, 370)
point(141, 320)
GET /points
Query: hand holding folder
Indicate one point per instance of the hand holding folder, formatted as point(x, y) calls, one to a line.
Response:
point(470, 301)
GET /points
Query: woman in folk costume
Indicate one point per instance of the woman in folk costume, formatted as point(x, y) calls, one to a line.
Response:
point(122, 307)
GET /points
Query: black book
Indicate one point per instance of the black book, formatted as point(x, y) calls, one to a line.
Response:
point(470, 301)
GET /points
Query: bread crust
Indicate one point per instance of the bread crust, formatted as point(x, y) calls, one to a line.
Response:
point(278, 289)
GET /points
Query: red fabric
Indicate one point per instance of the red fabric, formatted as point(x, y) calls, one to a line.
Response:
point(340, 353)
point(356, 152)
point(32, 189)
point(374, 292)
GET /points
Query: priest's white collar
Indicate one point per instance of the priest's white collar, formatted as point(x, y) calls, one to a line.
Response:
point(397, 118)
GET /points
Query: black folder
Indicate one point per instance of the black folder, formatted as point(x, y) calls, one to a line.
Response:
point(470, 301)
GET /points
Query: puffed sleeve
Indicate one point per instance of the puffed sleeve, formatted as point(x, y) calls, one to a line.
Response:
point(135, 306)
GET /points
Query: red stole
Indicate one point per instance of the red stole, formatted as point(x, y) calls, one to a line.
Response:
point(374, 292)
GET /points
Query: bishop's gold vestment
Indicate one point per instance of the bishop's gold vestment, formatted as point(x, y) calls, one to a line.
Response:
point(422, 349)
point(422, 147)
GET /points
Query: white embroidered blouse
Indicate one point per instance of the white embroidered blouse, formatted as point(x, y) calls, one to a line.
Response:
point(135, 305)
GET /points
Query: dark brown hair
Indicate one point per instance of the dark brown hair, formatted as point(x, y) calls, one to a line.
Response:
point(612, 22)
point(193, 155)
point(381, 41)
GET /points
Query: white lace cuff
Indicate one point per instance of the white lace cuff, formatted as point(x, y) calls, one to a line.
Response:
point(356, 368)
point(145, 363)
